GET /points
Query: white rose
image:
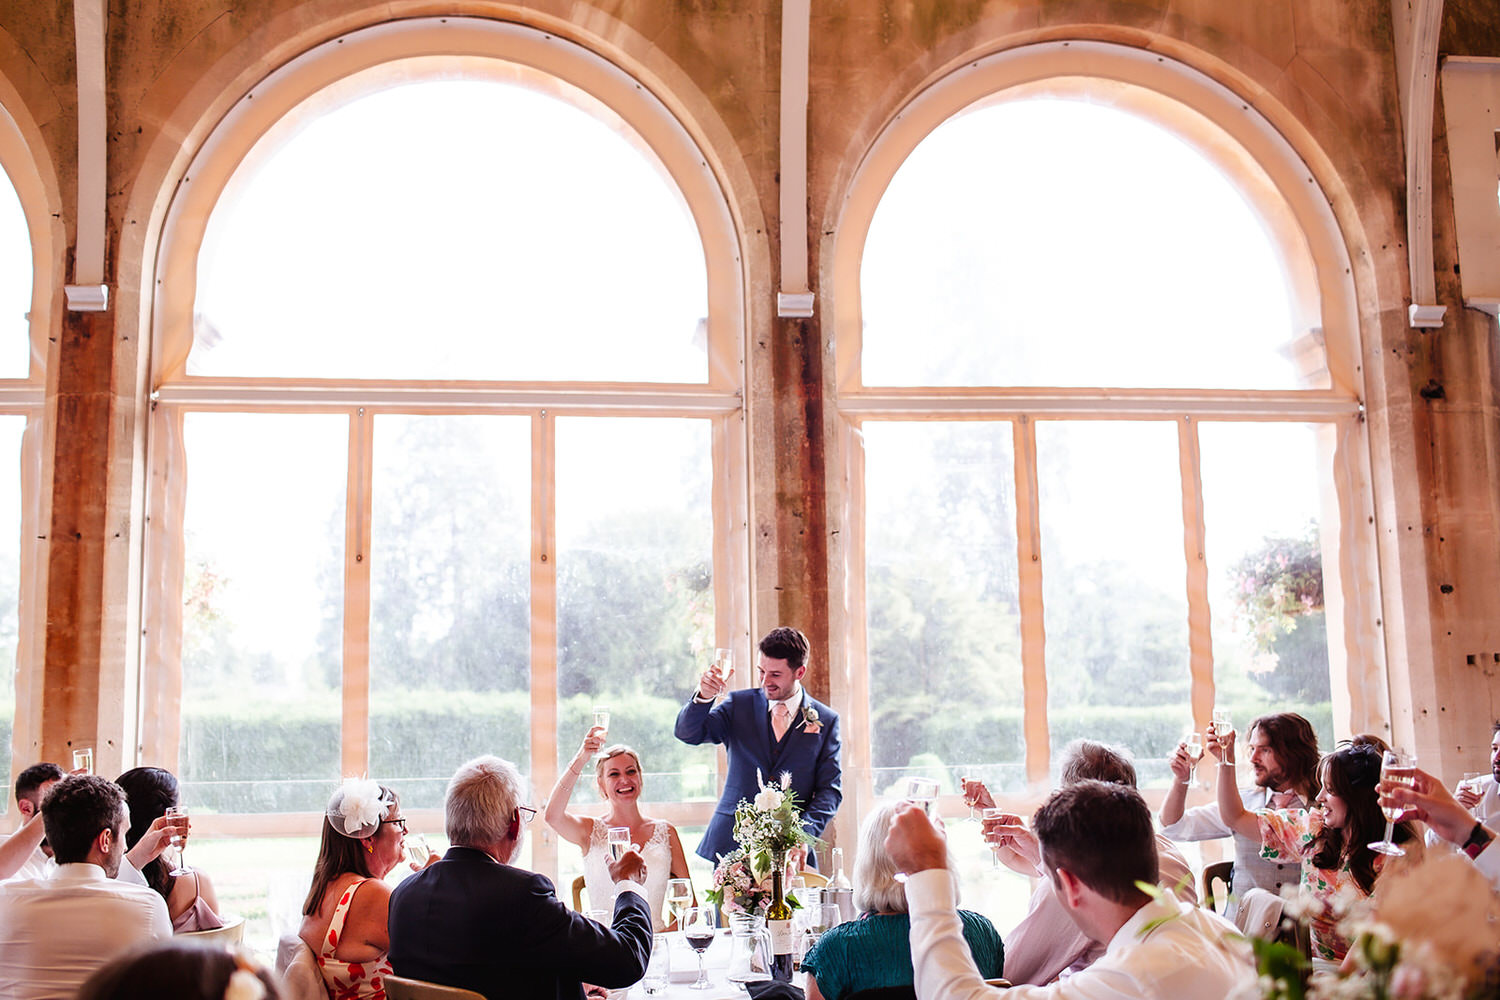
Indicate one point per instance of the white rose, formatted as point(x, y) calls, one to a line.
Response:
point(768, 800)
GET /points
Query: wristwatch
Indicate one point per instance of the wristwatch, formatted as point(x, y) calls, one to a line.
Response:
point(1479, 839)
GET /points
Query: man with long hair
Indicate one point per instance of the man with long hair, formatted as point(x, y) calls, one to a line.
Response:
point(1282, 749)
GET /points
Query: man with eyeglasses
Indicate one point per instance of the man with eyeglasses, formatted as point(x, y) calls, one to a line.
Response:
point(474, 921)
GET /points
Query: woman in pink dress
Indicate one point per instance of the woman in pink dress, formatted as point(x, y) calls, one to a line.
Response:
point(344, 918)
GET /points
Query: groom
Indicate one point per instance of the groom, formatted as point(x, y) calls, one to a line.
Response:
point(772, 729)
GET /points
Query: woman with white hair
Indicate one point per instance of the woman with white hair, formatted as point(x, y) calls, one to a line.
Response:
point(874, 951)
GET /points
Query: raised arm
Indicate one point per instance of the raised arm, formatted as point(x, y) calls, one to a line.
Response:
point(1182, 774)
point(699, 720)
point(577, 829)
point(20, 845)
point(1232, 811)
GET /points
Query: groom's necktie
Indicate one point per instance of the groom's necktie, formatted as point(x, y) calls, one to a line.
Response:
point(780, 720)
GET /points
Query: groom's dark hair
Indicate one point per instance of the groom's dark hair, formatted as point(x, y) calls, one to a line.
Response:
point(787, 644)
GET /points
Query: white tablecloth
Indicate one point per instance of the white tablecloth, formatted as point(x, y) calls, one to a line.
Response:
point(685, 972)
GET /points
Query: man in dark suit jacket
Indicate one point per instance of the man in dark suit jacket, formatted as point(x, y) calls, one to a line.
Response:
point(473, 921)
point(773, 729)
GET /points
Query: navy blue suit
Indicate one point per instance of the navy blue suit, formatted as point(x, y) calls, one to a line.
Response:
point(742, 723)
point(472, 922)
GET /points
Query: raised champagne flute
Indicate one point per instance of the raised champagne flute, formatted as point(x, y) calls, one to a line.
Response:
point(1400, 768)
point(417, 850)
point(679, 898)
point(994, 848)
point(601, 721)
point(176, 841)
point(699, 932)
point(924, 792)
point(619, 841)
point(1193, 744)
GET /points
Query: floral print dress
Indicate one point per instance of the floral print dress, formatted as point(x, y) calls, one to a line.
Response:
point(350, 980)
point(1286, 835)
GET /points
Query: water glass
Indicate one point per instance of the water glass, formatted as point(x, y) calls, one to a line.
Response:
point(83, 760)
point(598, 916)
point(659, 967)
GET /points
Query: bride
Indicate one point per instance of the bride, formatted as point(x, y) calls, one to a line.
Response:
point(619, 777)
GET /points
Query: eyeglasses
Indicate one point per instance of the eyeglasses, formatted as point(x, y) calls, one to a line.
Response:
point(525, 813)
point(398, 821)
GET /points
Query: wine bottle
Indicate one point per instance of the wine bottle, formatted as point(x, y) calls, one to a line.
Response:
point(839, 880)
point(779, 923)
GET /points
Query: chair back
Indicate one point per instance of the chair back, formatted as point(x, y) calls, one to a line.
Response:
point(1219, 871)
point(578, 884)
point(401, 988)
point(812, 879)
point(297, 968)
point(885, 993)
point(232, 933)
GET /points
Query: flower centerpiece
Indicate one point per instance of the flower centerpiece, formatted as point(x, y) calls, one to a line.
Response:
point(1426, 934)
point(766, 828)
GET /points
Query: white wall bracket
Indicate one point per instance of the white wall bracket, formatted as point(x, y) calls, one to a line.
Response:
point(87, 298)
point(1418, 24)
point(794, 304)
point(794, 298)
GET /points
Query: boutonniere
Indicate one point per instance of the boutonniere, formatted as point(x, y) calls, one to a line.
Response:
point(810, 722)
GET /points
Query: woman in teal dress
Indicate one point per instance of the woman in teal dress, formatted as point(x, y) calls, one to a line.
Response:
point(874, 950)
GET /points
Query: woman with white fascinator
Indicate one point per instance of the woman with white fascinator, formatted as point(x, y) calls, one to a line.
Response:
point(344, 918)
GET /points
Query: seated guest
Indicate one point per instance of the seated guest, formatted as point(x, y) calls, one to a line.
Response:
point(1047, 944)
point(617, 772)
point(472, 920)
point(875, 950)
point(1098, 847)
point(1282, 750)
point(1329, 841)
point(191, 901)
point(181, 972)
point(55, 932)
point(1481, 796)
point(1448, 818)
point(344, 917)
point(25, 853)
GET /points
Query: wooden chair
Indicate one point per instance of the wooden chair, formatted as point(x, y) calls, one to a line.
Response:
point(401, 988)
point(578, 893)
point(814, 880)
point(1219, 871)
point(232, 933)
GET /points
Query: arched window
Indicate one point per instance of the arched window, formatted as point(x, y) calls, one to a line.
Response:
point(443, 445)
point(1099, 374)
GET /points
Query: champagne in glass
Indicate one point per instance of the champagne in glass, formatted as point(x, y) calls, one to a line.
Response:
point(176, 841)
point(1193, 744)
point(1400, 768)
point(964, 783)
point(699, 932)
point(679, 898)
point(1221, 723)
point(601, 721)
point(619, 841)
point(83, 760)
point(417, 850)
point(994, 848)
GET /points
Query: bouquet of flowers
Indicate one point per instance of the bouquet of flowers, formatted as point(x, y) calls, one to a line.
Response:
point(766, 829)
point(1426, 934)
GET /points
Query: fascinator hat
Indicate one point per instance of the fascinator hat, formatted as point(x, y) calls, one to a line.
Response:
point(357, 807)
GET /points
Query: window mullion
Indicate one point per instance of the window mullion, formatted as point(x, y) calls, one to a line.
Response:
point(1033, 630)
point(358, 506)
point(544, 626)
point(1200, 622)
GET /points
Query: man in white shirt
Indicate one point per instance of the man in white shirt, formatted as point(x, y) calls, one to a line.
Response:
point(1098, 847)
point(55, 932)
point(1047, 943)
point(25, 853)
point(1283, 755)
point(1482, 796)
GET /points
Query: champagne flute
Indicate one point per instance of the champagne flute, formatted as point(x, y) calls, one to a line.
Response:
point(601, 721)
point(679, 898)
point(417, 850)
point(83, 760)
point(924, 792)
point(1221, 723)
point(619, 841)
point(176, 841)
point(1193, 744)
point(699, 932)
point(964, 783)
point(1400, 768)
point(994, 848)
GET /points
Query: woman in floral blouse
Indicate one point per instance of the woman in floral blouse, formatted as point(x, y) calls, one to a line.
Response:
point(1330, 840)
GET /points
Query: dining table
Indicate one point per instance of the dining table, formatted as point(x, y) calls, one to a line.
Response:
point(684, 972)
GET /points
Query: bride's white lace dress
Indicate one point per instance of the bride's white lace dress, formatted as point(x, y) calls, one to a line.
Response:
point(657, 850)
